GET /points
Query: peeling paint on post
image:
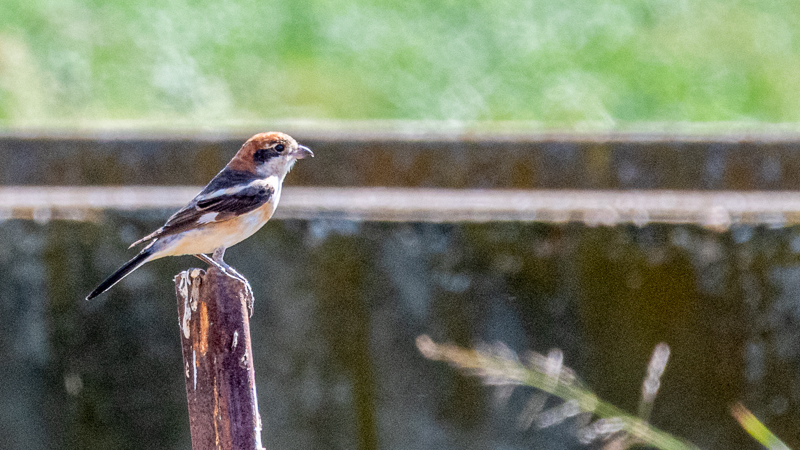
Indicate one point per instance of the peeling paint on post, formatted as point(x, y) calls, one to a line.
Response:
point(220, 380)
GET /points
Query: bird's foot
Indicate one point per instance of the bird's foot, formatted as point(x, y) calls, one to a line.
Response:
point(229, 271)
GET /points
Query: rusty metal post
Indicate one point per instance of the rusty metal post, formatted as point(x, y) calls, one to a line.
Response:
point(218, 361)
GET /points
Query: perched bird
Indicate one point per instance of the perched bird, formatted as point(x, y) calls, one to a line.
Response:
point(238, 201)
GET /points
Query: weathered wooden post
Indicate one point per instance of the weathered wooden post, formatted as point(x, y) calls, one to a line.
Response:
point(218, 361)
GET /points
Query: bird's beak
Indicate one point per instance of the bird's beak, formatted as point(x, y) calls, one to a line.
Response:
point(303, 152)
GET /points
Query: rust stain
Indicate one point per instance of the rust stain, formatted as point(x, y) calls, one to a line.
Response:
point(203, 340)
point(217, 414)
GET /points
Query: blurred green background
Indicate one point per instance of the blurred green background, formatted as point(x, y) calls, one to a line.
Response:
point(554, 64)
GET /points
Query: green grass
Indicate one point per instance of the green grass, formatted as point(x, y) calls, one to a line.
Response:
point(555, 64)
point(499, 366)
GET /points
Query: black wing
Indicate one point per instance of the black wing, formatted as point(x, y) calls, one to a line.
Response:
point(220, 208)
point(228, 178)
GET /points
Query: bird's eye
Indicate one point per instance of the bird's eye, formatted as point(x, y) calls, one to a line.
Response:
point(279, 147)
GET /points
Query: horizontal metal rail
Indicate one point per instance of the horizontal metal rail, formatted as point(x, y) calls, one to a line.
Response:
point(713, 209)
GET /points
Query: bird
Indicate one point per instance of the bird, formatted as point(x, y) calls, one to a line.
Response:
point(235, 204)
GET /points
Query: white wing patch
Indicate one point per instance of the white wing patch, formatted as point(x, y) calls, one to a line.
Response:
point(207, 217)
point(269, 181)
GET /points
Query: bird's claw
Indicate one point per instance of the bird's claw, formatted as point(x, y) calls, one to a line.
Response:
point(249, 295)
point(250, 298)
point(229, 271)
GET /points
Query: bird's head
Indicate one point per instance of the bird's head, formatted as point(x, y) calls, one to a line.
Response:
point(268, 154)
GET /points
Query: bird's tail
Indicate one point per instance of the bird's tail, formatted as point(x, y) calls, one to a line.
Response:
point(121, 273)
